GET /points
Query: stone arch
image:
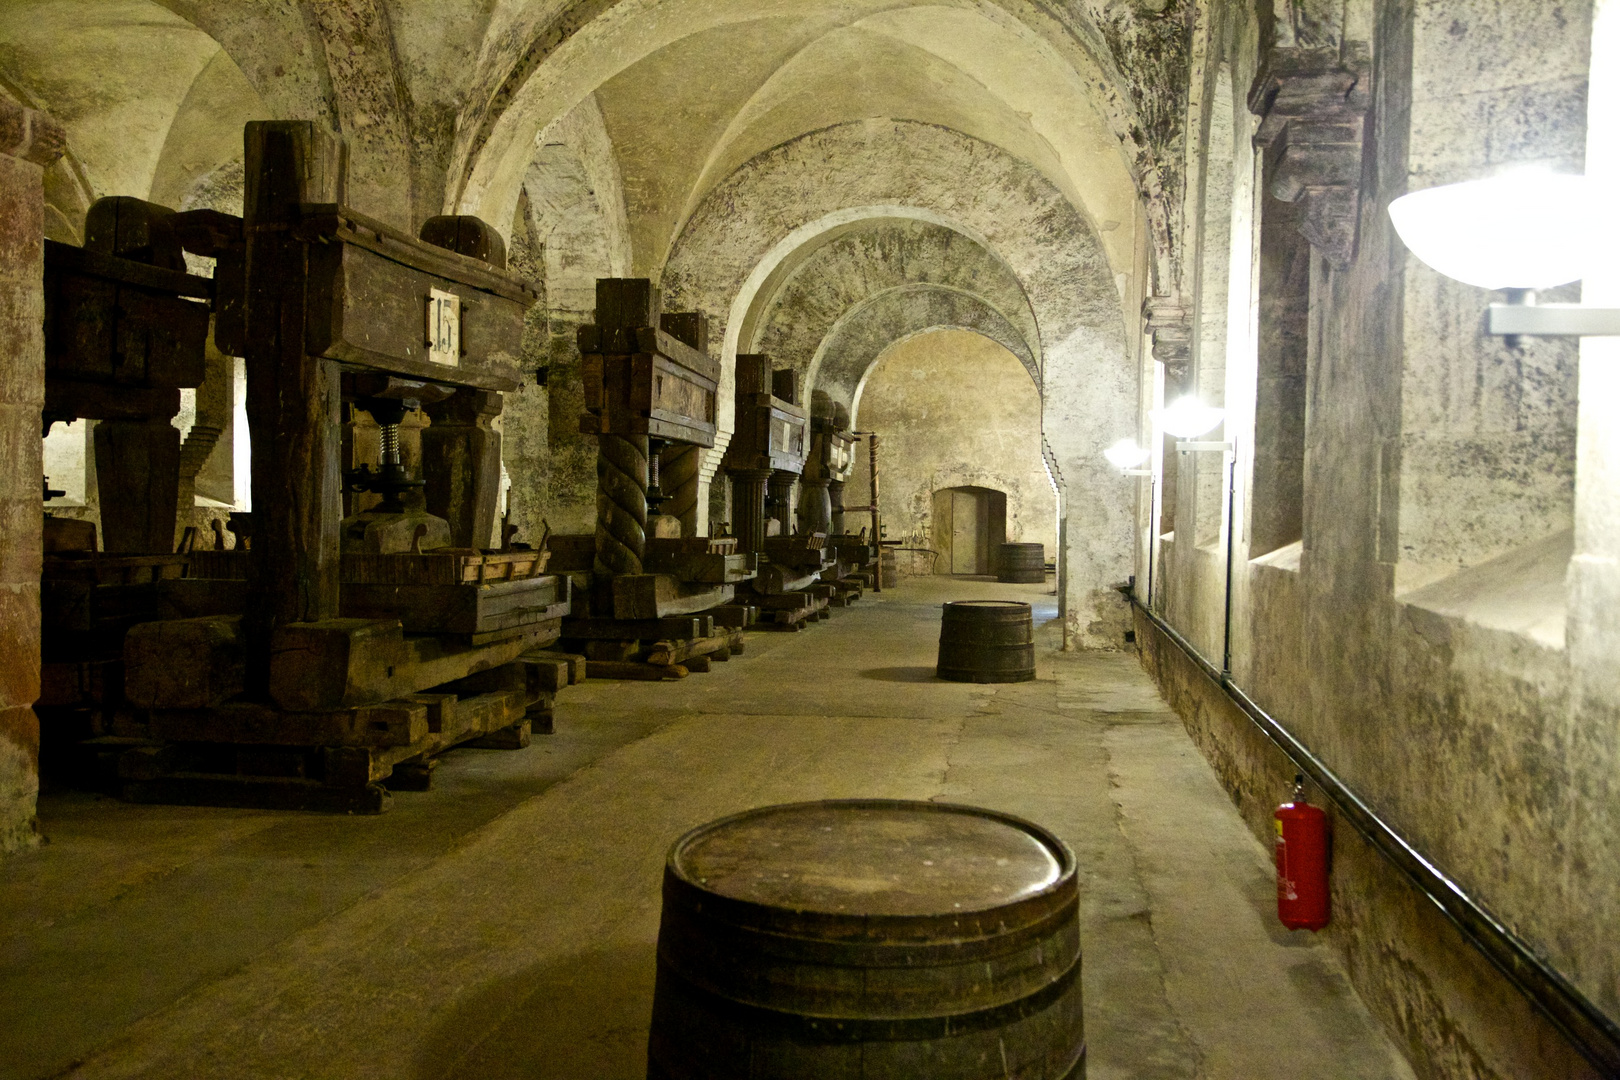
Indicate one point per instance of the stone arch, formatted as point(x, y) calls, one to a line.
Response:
point(570, 230)
point(576, 208)
point(150, 102)
point(782, 200)
point(849, 351)
point(540, 59)
point(844, 269)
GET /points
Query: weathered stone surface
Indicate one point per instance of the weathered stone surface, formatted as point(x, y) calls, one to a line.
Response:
point(1438, 467)
point(955, 409)
point(29, 141)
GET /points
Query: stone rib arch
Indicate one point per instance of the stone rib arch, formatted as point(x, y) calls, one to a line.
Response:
point(785, 199)
point(576, 208)
point(845, 268)
point(847, 354)
point(538, 59)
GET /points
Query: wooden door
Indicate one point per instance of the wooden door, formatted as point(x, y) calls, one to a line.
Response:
point(966, 518)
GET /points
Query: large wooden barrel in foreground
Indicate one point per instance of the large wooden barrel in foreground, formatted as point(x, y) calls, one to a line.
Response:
point(1022, 564)
point(987, 641)
point(868, 939)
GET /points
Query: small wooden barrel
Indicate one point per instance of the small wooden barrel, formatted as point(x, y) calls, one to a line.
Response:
point(866, 939)
point(1022, 564)
point(987, 641)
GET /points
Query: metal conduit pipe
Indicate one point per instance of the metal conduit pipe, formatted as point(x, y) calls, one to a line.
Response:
point(1589, 1030)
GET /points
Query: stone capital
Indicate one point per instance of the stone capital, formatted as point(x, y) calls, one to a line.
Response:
point(1313, 105)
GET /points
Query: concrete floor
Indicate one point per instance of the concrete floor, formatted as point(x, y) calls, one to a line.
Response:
point(503, 924)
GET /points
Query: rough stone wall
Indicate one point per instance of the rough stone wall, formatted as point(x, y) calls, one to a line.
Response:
point(29, 142)
point(569, 231)
point(906, 263)
point(953, 409)
point(783, 199)
point(1414, 640)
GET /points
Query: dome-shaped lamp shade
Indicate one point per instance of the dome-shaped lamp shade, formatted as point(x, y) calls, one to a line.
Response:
point(1125, 454)
point(1188, 418)
point(1526, 229)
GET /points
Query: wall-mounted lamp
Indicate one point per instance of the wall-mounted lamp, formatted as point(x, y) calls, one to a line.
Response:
point(1187, 418)
point(1523, 230)
point(1127, 457)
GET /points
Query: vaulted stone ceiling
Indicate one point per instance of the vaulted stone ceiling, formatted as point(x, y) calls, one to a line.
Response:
point(737, 152)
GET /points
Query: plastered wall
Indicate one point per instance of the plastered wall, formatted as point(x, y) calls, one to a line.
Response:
point(953, 409)
point(1418, 638)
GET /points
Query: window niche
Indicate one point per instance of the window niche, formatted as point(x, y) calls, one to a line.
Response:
point(1277, 489)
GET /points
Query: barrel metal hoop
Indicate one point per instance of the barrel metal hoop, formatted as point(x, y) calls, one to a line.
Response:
point(772, 1024)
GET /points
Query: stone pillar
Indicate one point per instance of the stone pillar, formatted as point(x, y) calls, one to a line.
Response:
point(781, 486)
point(29, 143)
point(748, 507)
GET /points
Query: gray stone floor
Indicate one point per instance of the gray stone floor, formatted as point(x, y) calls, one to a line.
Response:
point(503, 924)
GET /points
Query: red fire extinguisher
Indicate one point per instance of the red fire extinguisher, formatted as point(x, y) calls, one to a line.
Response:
point(1302, 862)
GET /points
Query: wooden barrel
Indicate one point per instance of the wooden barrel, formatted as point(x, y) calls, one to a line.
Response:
point(1022, 564)
point(866, 939)
point(987, 641)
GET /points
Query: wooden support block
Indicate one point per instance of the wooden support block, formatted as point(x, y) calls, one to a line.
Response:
point(351, 766)
point(735, 616)
point(793, 601)
point(703, 567)
point(604, 652)
point(720, 656)
point(654, 596)
point(342, 663)
point(512, 737)
point(392, 723)
point(575, 662)
point(696, 664)
point(184, 663)
point(545, 674)
point(542, 720)
point(412, 776)
point(483, 714)
point(688, 626)
point(462, 608)
point(635, 670)
point(678, 652)
point(513, 676)
point(775, 579)
point(437, 708)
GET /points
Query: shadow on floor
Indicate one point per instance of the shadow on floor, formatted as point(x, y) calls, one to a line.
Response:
point(901, 674)
point(579, 1017)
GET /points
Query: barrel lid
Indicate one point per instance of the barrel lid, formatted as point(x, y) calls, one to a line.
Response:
point(873, 858)
point(989, 605)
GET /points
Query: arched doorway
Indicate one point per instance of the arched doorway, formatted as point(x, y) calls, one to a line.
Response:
point(970, 525)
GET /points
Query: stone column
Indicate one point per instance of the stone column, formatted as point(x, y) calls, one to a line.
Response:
point(748, 507)
point(781, 487)
point(29, 143)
